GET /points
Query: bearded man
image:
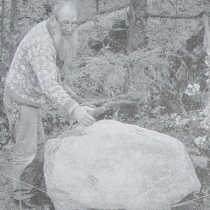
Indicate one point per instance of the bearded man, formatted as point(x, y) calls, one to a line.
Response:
point(33, 79)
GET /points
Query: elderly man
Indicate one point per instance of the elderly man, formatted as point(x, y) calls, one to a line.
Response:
point(33, 79)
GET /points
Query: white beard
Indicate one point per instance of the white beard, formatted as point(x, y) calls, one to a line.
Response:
point(66, 47)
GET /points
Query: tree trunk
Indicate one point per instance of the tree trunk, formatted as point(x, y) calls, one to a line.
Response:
point(2, 33)
point(2, 24)
point(207, 33)
point(12, 27)
point(137, 34)
point(97, 6)
point(13, 16)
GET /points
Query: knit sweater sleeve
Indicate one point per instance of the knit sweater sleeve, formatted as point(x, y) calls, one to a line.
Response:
point(43, 61)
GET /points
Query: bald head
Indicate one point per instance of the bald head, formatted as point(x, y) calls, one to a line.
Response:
point(66, 15)
point(64, 8)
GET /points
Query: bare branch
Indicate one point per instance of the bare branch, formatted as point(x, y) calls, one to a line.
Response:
point(24, 17)
point(147, 15)
point(114, 9)
point(113, 105)
point(92, 18)
point(176, 16)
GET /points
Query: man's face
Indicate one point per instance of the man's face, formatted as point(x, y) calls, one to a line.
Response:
point(67, 18)
point(65, 38)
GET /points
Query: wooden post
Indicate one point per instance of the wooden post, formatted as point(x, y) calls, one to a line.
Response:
point(137, 34)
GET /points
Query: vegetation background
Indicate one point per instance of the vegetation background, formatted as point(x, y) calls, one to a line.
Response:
point(145, 62)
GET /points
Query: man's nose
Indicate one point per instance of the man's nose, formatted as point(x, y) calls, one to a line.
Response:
point(67, 31)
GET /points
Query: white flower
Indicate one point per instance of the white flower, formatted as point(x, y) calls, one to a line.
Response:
point(174, 115)
point(206, 111)
point(189, 92)
point(192, 89)
point(189, 86)
point(196, 87)
point(205, 124)
point(207, 73)
point(200, 141)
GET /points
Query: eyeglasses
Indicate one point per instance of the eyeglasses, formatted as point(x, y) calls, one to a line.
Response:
point(71, 25)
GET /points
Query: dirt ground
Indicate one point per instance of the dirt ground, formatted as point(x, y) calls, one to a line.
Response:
point(6, 201)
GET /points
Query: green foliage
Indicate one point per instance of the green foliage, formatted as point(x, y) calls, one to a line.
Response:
point(107, 72)
point(5, 134)
point(141, 75)
point(28, 14)
point(153, 77)
point(150, 76)
point(54, 122)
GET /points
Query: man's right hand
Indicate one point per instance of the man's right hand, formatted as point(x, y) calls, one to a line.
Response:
point(82, 116)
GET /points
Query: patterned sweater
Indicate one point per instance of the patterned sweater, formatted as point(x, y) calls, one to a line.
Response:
point(33, 76)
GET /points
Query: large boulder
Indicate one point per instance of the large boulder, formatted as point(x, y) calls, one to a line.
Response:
point(112, 165)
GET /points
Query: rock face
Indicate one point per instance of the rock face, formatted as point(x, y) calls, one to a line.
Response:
point(112, 165)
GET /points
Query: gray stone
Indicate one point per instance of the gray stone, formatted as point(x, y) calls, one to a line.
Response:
point(112, 165)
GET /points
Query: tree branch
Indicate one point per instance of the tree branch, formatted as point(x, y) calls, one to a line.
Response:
point(147, 15)
point(176, 16)
point(114, 9)
point(113, 105)
point(92, 18)
point(102, 102)
point(24, 17)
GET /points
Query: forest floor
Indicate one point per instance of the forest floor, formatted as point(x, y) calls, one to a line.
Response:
point(6, 200)
point(7, 203)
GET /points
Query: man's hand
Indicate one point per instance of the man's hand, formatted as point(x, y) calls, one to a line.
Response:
point(82, 116)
